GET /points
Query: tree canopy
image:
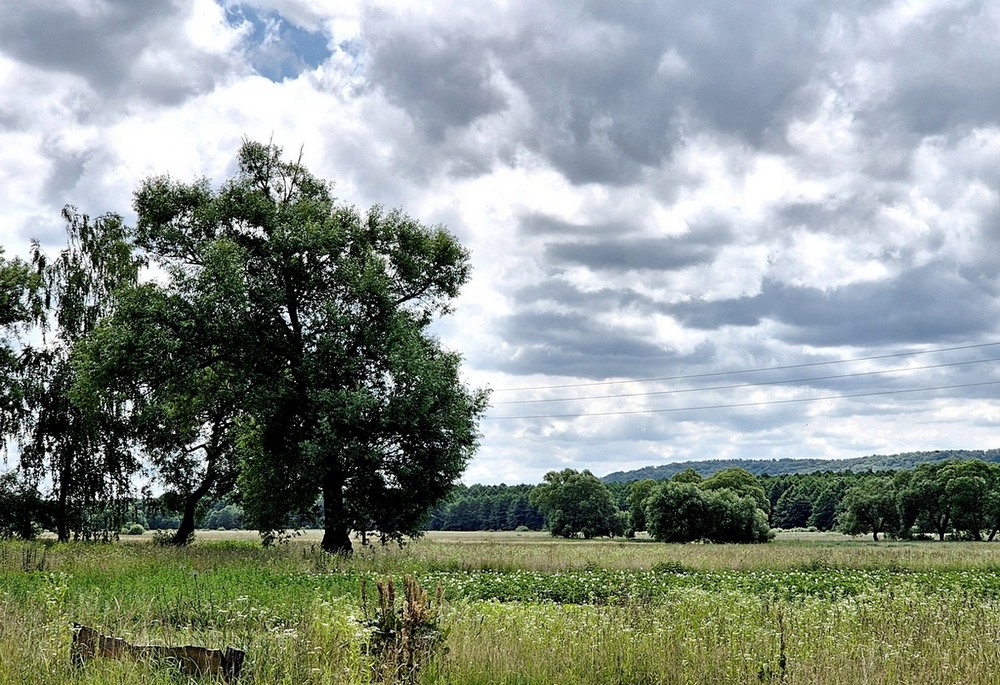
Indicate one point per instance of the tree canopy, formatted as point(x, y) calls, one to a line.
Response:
point(576, 503)
point(729, 507)
point(292, 330)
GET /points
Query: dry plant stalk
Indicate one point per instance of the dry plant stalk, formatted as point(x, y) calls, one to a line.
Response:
point(405, 638)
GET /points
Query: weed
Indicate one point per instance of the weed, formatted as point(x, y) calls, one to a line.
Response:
point(403, 638)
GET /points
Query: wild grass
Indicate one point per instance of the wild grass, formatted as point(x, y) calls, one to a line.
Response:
point(520, 609)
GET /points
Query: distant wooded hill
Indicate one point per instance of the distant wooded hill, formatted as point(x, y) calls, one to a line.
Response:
point(776, 467)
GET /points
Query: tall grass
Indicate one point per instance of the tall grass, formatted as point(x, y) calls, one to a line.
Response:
point(908, 613)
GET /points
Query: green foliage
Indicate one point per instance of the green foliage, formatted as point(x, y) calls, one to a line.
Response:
point(486, 507)
point(823, 509)
point(315, 317)
point(19, 306)
point(576, 503)
point(639, 492)
point(229, 517)
point(787, 466)
point(21, 507)
point(80, 447)
point(163, 352)
point(970, 491)
point(676, 512)
point(793, 509)
point(870, 507)
point(686, 512)
point(741, 482)
point(688, 475)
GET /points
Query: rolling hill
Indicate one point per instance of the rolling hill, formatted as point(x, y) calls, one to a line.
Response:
point(774, 467)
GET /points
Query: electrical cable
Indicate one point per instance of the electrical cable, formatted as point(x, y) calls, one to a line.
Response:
point(751, 370)
point(763, 403)
point(750, 385)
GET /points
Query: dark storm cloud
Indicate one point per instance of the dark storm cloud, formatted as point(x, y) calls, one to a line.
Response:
point(926, 304)
point(615, 247)
point(557, 291)
point(946, 69)
point(66, 170)
point(102, 43)
point(579, 345)
point(612, 88)
point(443, 81)
point(546, 226)
point(630, 255)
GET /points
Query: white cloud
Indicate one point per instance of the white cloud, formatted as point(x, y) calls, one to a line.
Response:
point(790, 167)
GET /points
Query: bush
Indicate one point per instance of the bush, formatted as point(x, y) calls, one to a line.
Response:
point(133, 529)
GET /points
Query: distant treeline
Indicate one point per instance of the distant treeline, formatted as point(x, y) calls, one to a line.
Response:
point(487, 507)
point(953, 498)
point(776, 467)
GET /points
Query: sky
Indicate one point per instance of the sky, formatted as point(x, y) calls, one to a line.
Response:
point(698, 230)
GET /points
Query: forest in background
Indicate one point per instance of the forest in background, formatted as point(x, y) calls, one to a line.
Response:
point(938, 494)
point(778, 467)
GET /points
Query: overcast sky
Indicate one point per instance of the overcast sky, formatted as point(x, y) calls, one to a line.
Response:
point(671, 191)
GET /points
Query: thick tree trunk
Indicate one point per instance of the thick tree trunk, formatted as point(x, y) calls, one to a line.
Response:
point(336, 533)
point(875, 535)
point(185, 531)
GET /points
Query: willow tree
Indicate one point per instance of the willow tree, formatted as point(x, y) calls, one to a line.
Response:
point(322, 313)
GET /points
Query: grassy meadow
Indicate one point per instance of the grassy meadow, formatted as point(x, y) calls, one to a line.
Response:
point(517, 608)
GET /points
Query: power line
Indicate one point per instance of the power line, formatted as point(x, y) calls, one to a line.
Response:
point(743, 371)
point(741, 404)
point(751, 385)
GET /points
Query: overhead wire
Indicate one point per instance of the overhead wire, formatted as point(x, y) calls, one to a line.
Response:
point(736, 372)
point(783, 381)
point(760, 403)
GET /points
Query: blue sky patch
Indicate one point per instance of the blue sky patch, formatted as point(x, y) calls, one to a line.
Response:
point(277, 48)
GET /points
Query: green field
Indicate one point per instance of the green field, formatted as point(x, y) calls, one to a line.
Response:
point(519, 608)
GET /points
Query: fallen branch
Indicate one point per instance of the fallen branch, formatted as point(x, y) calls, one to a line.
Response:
point(191, 660)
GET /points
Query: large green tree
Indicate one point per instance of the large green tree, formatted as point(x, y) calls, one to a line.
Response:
point(685, 512)
point(922, 499)
point(969, 488)
point(638, 492)
point(870, 507)
point(576, 503)
point(677, 512)
point(323, 312)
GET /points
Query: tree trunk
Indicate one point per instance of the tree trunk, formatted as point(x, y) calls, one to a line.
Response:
point(336, 534)
point(942, 527)
point(875, 535)
point(185, 531)
point(62, 511)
